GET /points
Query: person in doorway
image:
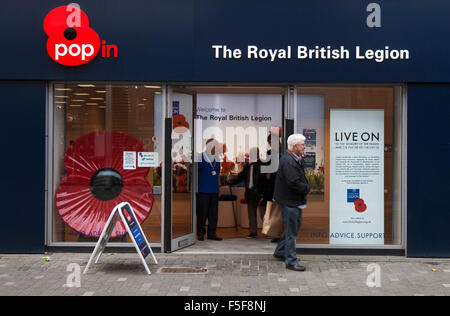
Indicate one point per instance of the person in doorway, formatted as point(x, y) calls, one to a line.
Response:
point(268, 179)
point(208, 191)
point(291, 189)
point(251, 175)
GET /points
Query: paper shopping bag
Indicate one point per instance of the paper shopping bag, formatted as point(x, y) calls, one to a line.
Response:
point(273, 225)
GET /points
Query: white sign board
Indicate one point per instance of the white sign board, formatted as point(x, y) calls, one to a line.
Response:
point(148, 159)
point(125, 213)
point(356, 177)
point(226, 116)
point(129, 160)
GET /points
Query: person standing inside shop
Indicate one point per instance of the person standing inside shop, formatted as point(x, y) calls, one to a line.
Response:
point(268, 179)
point(208, 191)
point(291, 189)
point(251, 175)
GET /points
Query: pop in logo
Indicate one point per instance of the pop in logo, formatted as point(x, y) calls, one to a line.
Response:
point(71, 40)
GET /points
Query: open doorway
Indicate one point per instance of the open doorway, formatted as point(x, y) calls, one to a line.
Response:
point(240, 118)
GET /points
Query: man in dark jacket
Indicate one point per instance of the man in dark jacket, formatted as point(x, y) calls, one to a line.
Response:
point(291, 188)
point(252, 177)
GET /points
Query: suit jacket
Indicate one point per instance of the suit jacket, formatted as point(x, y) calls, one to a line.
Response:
point(253, 193)
point(291, 185)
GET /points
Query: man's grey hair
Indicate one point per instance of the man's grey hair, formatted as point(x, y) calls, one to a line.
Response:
point(295, 139)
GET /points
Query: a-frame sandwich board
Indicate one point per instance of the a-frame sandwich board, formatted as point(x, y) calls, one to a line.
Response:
point(125, 213)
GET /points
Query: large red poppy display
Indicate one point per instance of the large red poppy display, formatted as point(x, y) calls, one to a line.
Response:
point(96, 182)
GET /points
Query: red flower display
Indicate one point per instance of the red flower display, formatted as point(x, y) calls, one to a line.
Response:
point(180, 125)
point(96, 182)
point(360, 206)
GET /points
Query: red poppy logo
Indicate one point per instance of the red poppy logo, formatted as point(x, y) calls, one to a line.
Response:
point(96, 182)
point(71, 42)
point(360, 206)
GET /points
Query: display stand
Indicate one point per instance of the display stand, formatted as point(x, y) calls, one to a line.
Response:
point(123, 211)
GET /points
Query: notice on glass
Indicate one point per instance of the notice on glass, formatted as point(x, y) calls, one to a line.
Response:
point(356, 177)
point(148, 159)
point(129, 160)
point(310, 135)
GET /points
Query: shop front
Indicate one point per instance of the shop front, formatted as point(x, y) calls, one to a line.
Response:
point(102, 134)
point(101, 112)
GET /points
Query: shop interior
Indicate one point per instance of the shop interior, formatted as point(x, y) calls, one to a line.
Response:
point(137, 110)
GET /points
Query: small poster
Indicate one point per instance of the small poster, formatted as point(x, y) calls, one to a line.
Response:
point(129, 160)
point(309, 161)
point(135, 229)
point(175, 108)
point(157, 190)
point(310, 135)
point(148, 159)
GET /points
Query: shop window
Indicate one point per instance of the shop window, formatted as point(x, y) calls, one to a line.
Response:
point(353, 164)
point(107, 149)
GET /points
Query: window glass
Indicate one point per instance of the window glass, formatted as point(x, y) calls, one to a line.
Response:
point(107, 150)
point(352, 160)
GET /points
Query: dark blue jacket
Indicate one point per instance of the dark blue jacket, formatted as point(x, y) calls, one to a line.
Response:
point(291, 185)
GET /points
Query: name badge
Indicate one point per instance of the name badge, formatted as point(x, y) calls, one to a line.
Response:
point(213, 173)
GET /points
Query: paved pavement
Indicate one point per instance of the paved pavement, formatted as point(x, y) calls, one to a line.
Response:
point(226, 275)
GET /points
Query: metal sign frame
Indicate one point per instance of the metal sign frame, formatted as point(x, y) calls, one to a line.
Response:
point(116, 214)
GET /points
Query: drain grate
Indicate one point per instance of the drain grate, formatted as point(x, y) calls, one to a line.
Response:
point(183, 270)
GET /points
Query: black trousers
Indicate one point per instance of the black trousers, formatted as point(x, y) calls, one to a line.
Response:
point(207, 209)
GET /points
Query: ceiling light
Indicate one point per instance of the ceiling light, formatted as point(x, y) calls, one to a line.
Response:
point(91, 103)
point(86, 85)
point(75, 105)
point(63, 89)
point(100, 91)
point(153, 87)
point(81, 93)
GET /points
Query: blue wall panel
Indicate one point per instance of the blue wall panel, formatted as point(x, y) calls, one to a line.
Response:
point(428, 218)
point(22, 117)
point(171, 40)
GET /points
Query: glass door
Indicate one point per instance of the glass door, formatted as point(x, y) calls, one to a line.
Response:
point(181, 181)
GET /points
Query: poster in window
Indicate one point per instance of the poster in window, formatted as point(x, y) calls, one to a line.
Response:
point(356, 177)
point(310, 135)
point(309, 161)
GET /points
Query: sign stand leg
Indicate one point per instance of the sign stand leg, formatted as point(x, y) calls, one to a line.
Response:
point(103, 240)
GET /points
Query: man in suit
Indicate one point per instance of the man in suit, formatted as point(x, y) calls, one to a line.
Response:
point(291, 188)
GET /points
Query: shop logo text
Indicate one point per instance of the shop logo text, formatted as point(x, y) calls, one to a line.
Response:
point(71, 40)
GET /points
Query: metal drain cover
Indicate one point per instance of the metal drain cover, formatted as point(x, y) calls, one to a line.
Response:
point(183, 270)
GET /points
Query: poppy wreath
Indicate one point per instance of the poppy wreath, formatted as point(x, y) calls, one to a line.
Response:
point(360, 206)
point(96, 182)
